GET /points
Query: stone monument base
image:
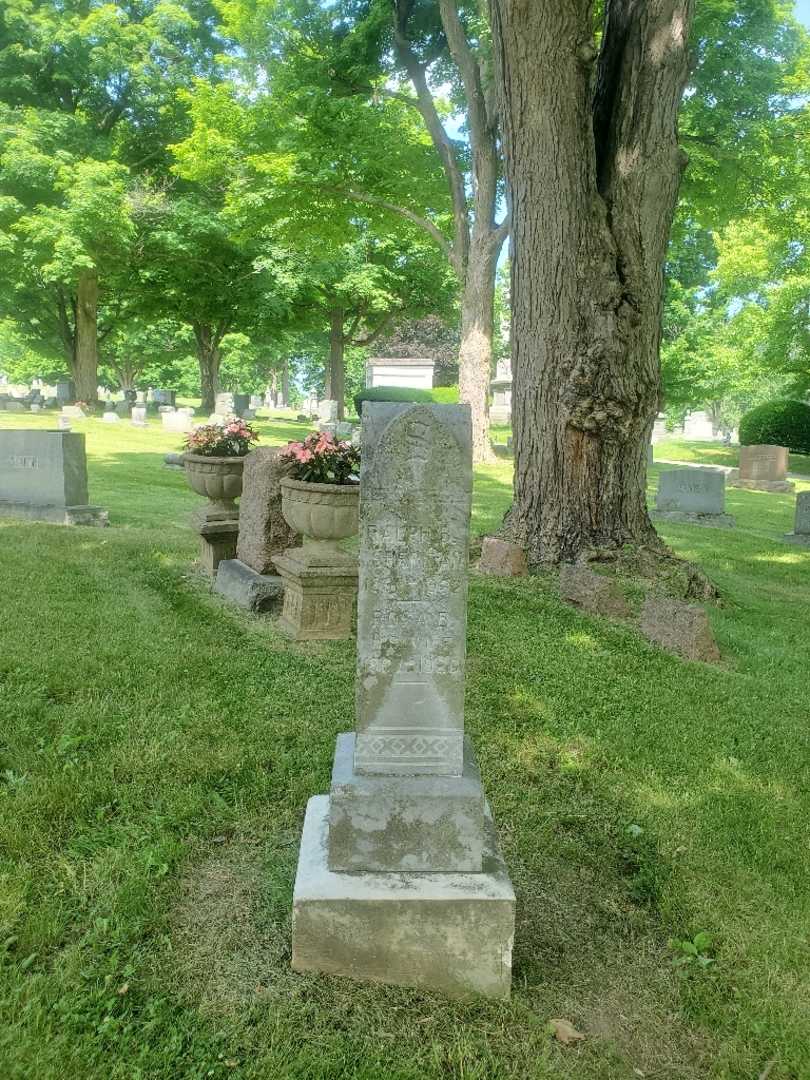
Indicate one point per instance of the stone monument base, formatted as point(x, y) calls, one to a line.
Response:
point(802, 539)
point(217, 542)
point(684, 517)
point(405, 823)
point(243, 586)
point(451, 932)
point(318, 599)
point(57, 515)
point(782, 486)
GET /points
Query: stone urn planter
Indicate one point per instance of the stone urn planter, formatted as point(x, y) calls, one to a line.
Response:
point(219, 479)
point(323, 514)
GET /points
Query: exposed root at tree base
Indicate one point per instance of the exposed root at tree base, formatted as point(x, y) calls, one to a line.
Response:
point(653, 562)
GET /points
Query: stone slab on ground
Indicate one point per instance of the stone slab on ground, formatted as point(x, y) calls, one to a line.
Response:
point(450, 932)
point(254, 592)
point(500, 558)
point(57, 515)
point(592, 592)
point(680, 628)
point(392, 823)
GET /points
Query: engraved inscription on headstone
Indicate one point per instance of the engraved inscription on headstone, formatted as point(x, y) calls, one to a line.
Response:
point(415, 493)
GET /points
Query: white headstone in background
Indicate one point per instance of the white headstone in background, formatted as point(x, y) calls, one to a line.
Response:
point(412, 372)
point(698, 426)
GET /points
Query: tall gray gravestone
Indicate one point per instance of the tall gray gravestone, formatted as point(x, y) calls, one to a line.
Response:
point(43, 477)
point(400, 878)
point(801, 528)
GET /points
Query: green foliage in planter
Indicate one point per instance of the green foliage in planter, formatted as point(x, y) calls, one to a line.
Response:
point(781, 423)
point(439, 395)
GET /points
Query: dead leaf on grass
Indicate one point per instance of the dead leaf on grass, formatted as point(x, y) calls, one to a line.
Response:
point(565, 1032)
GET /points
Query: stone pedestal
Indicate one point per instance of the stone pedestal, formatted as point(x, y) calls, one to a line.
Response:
point(400, 879)
point(217, 541)
point(451, 932)
point(259, 593)
point(395, 823)
point(318, 598)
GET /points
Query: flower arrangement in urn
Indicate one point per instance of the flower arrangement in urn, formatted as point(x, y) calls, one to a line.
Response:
point(319, 498)
point(214, 459)
point(322, 459)
point(231, 439)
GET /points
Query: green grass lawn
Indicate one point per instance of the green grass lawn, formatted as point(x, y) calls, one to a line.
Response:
point(157, 750)
point(716, 454)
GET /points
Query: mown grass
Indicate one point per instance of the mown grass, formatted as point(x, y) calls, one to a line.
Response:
point(714, 453)
point(157, 750)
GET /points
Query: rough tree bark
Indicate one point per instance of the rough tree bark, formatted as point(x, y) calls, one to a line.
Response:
point(84, 367)
point(593, 167)
point(285, 383)
point(208, 357)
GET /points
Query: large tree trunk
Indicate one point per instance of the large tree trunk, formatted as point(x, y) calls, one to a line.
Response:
point(209, 359)
point(475, 351)
point(285, 383)
point(593, 168)
point(336, 371)
point(85, 358)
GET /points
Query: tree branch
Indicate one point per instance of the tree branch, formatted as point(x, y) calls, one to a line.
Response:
point(441, 140)
point(403, 211)
point(467, 64)
point(370, 338)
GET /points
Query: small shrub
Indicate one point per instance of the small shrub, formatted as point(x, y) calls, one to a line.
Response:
point(439, 395)
point(781, 423)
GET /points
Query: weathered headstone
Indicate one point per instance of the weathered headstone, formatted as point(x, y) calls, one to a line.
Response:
point(327, 410)
point(801, 529)
point(122, 408)
point(74, 412)
point(263, 532)
point(176, 421)
point(43, 476)
point(692, 495)
point(65, 392)
point(165, 397)
point(63, 423)
point(111, 418)
point(251, 580)
point(400, 879)
point(138, 415)
point(763, 467)
point(224, 404)
point(241, 404)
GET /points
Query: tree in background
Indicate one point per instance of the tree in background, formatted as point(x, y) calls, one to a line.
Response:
point(735, 318)
point(351, 268)
point(89, 97)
